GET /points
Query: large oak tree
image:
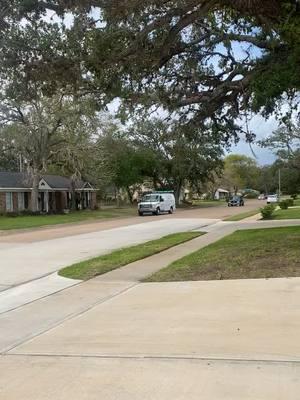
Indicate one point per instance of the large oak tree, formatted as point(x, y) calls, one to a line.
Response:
point(209, 61)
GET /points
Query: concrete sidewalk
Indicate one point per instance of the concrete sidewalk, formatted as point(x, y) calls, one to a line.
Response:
point(141, 269)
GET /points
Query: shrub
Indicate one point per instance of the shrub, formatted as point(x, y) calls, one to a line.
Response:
point(290, 202)
point(294, 196)
point(12, 214)
point(267, 211)
point(284, 205)
point(251, 195)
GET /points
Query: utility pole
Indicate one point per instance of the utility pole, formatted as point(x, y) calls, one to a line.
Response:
point(279, 184)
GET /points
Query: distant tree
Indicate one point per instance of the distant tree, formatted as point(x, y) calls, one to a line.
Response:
point(181, 155)
point(284, 140)
point(125, 165)
point(285, 144)
point(10, 160)
point(241, 171)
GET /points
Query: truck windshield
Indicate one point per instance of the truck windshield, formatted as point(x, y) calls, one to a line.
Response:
point(150, 198)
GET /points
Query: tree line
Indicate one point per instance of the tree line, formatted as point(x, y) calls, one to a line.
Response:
point(202, 65)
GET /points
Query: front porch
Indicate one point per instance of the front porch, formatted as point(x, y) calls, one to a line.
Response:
point(59, 201)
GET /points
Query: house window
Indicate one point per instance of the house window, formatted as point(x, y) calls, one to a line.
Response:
point(21, 203)
point(9, 201)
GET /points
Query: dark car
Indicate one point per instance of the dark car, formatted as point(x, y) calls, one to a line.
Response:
point(236, 201)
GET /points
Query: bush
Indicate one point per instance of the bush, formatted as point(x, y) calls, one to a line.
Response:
point(290, 202)
point(251, 195)
point(12, 214)
point(294, 196)
point(267, 211)
point(283, 205)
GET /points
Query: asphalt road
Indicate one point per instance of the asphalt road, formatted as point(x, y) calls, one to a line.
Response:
point(59, 231)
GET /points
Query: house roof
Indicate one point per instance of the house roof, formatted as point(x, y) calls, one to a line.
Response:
point(222, 190)
point(19, 180)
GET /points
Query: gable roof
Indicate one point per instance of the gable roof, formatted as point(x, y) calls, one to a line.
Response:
point(20, 180)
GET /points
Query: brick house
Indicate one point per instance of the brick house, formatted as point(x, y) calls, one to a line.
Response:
point(55, 193)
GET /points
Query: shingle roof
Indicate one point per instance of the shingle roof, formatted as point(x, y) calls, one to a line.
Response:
point(19, 180)
point(56, 181)
point(14, 180)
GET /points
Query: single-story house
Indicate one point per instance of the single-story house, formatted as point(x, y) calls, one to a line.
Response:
point(221, 194)
point(55, 193)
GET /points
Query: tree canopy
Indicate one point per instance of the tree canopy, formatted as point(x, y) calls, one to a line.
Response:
point(209, 61)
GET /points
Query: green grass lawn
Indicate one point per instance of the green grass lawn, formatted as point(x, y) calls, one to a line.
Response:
point(255, 253)
point(239, 217)
point(290, 213)
point(34, 221)
point(108, 262)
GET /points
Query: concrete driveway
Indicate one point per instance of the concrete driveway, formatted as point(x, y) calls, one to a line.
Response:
point(213, 340)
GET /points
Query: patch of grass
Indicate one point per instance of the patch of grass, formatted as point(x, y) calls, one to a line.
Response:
point(290, 213)
point(246, 254)
point(108, 262)
point(34, 221)
point(207, 203)
point(239, 217)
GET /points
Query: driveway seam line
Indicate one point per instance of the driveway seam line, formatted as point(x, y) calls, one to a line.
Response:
point(67, 318)
point(39, 298)
point(149, 357)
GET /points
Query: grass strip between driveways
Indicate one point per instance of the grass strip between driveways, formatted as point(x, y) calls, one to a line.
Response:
point(245, 254)
point(239, 217)
point(100, 265)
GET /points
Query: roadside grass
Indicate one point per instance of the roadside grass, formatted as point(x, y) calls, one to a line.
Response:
point(35, 221)
point(207, 203)
point(297, 202)
point(100, 265)
point(239, 217)
point(290, 213)
point(245, 254)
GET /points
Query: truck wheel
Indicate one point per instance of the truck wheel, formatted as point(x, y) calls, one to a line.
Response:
point(157, 212)
point(141, 214)
point(171, 210)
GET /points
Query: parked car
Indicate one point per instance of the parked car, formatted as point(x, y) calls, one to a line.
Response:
point(236, 201)
point(272, 198)
point(157, 203)
point(262, 197)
